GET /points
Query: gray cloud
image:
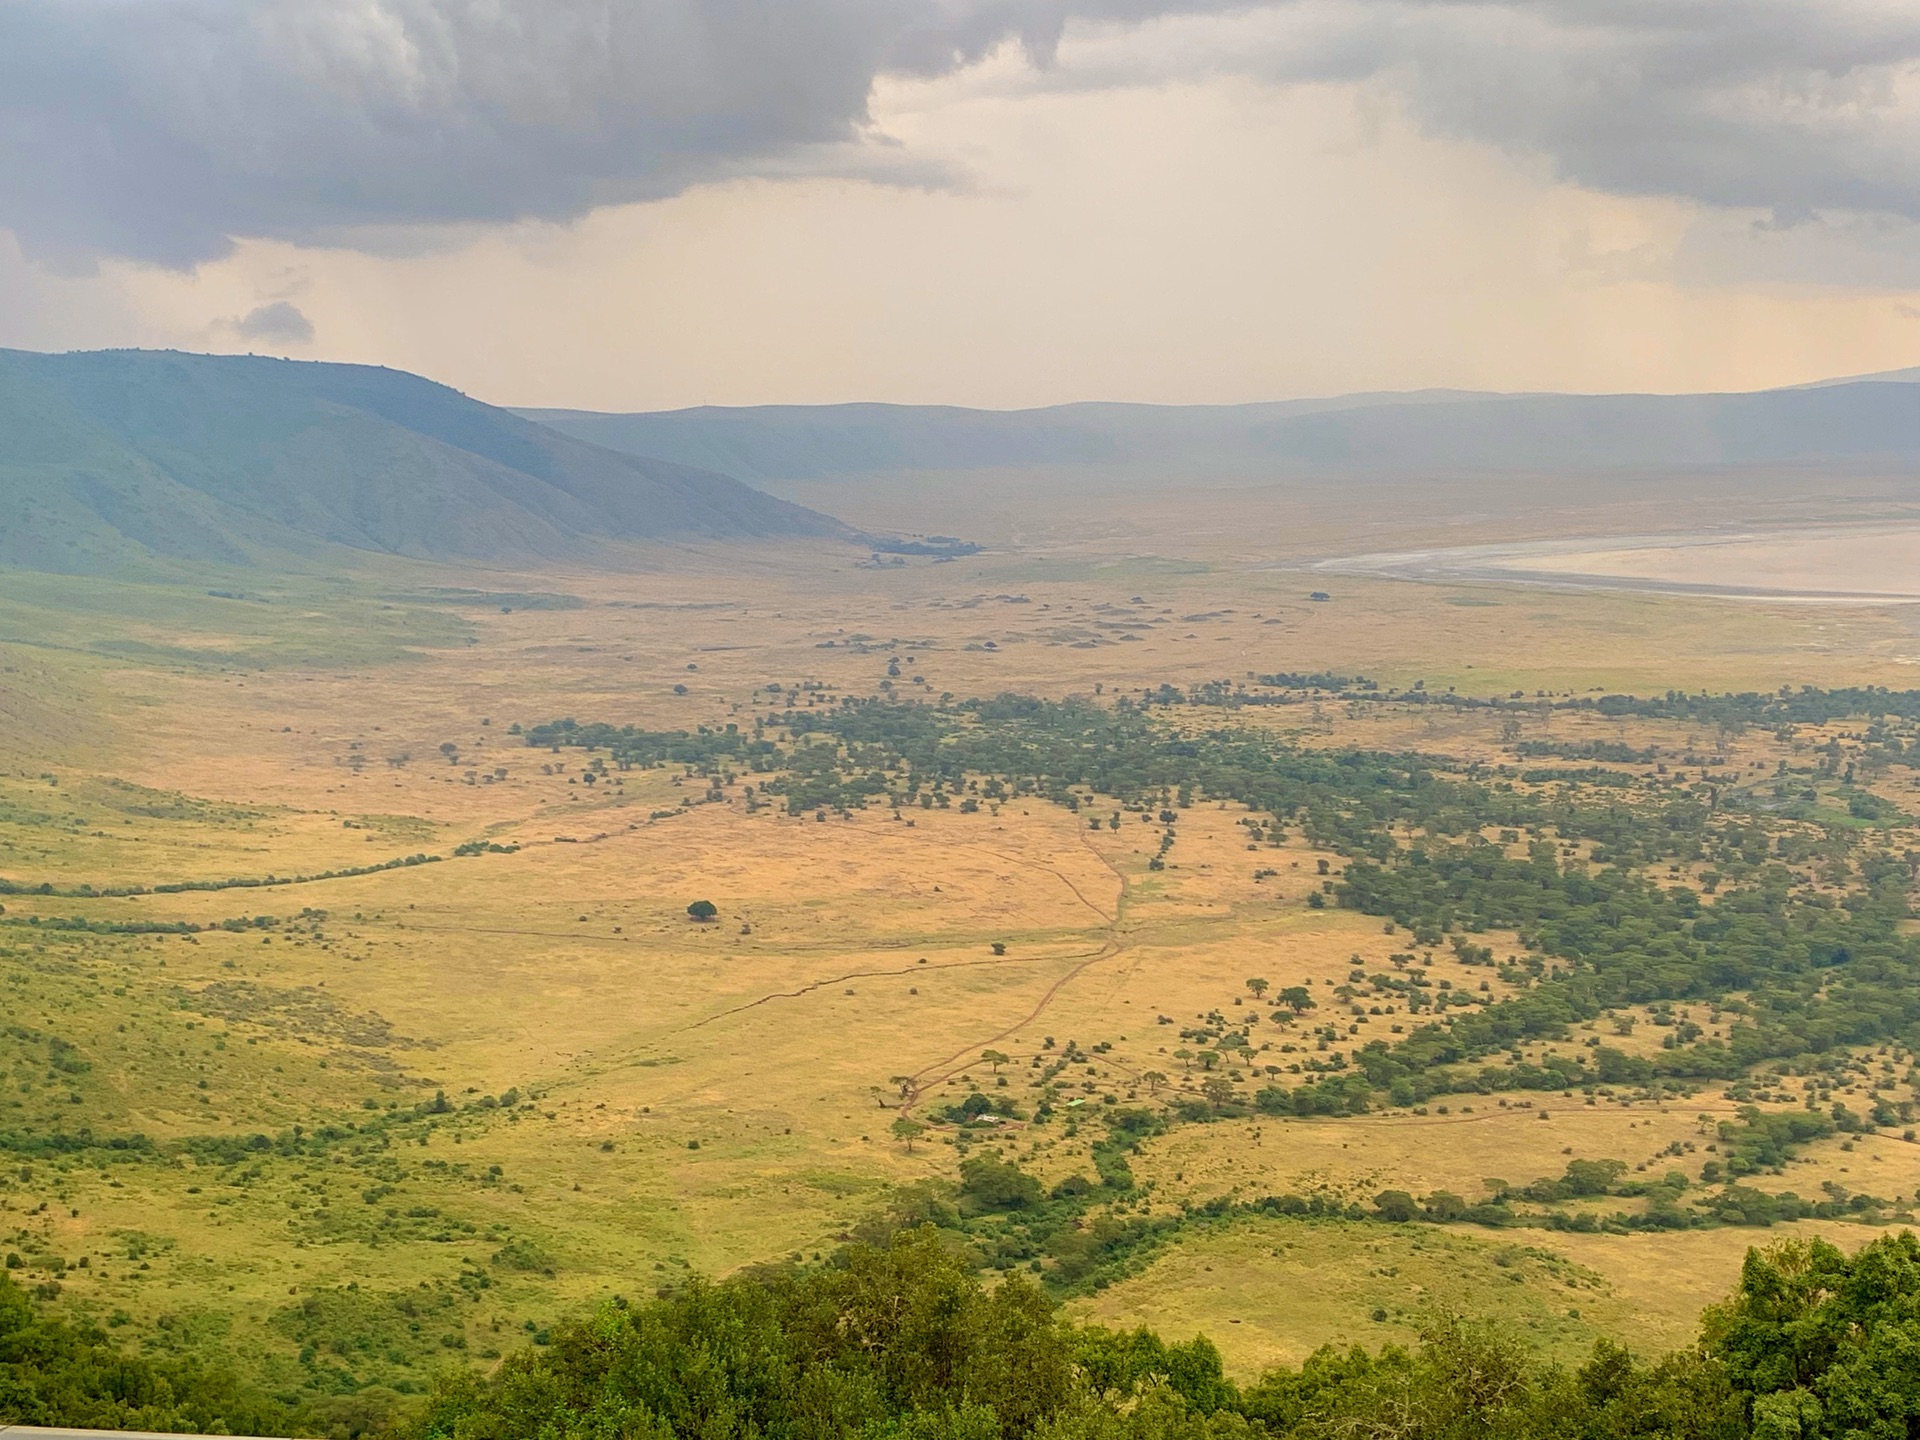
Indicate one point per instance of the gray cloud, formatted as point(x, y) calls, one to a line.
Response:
point(1782, 105)
point(280, 320)
point(159, 129)
point(1792, 107)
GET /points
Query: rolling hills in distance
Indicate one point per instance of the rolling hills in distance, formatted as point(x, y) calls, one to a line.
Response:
point(1871, 421)
point(112, 459)
point(117, 459)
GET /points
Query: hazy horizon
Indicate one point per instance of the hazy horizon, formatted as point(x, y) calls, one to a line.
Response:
point(630, 208)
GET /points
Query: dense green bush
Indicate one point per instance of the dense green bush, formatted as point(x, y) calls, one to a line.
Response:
point(58, 1374)
point(905, 1342)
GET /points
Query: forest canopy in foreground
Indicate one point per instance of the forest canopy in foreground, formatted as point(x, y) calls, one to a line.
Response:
point(905, 1341)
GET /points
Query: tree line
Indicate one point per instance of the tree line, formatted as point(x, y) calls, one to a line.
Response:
point(902, 1340)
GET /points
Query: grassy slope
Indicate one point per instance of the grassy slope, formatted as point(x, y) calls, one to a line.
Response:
point(124, 458)
point(568, 972)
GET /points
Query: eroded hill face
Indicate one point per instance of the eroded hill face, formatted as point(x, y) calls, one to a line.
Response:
point(126, 457)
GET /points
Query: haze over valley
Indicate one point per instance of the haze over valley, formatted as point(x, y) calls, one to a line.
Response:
point(959, 722)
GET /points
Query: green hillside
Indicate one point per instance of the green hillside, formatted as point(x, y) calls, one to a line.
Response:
point(112, 458)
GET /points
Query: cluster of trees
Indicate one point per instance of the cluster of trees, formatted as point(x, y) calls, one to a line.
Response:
point(1084, 1234)
point(1612, 751)
point(632, 747)
point(1577, 775)
point(845, 756)
point(1806, 705)
point(90, 926)
point(54, 1373)
point(1303, 680)
point(862, 751)
point(1000, 1217)
point(1792, 972)
point(1797, 968)
point(242, 882)
point(1080, 1236)
point(1734, 1204)
point(903, 1341)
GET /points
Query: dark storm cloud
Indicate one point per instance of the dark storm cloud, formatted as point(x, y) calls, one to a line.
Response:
point(161, 128)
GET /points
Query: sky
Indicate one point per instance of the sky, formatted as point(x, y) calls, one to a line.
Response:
point(645, 204)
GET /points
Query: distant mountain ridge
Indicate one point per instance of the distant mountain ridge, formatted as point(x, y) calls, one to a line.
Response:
point(112, 457)
point(1908, 376)
point(1867, 420)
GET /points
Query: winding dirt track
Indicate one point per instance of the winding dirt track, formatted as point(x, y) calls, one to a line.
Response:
point(811, 986)
point(940, 1070)
point(924, 1079)
point(914, 1085)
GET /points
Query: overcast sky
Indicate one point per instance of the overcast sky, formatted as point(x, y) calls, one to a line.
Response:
point(636, 204)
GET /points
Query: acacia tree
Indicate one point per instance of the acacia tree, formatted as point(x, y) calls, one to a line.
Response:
point(1258, 986)
point(1296, 998)
point(702, 910)
point(996, 1059)
point(908, 1131)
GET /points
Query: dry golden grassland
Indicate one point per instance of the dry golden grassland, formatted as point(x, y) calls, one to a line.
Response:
point(699, 1097)
point(1271, 1291)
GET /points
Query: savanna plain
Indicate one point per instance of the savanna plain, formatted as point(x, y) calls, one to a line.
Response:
point(398, 965)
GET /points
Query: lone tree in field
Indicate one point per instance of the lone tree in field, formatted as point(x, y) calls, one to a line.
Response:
point(1154, 1081)
point(1258, 987)
point(703, 911)
point(908, 1131)
point(1296, 998)
point(996, 1059)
